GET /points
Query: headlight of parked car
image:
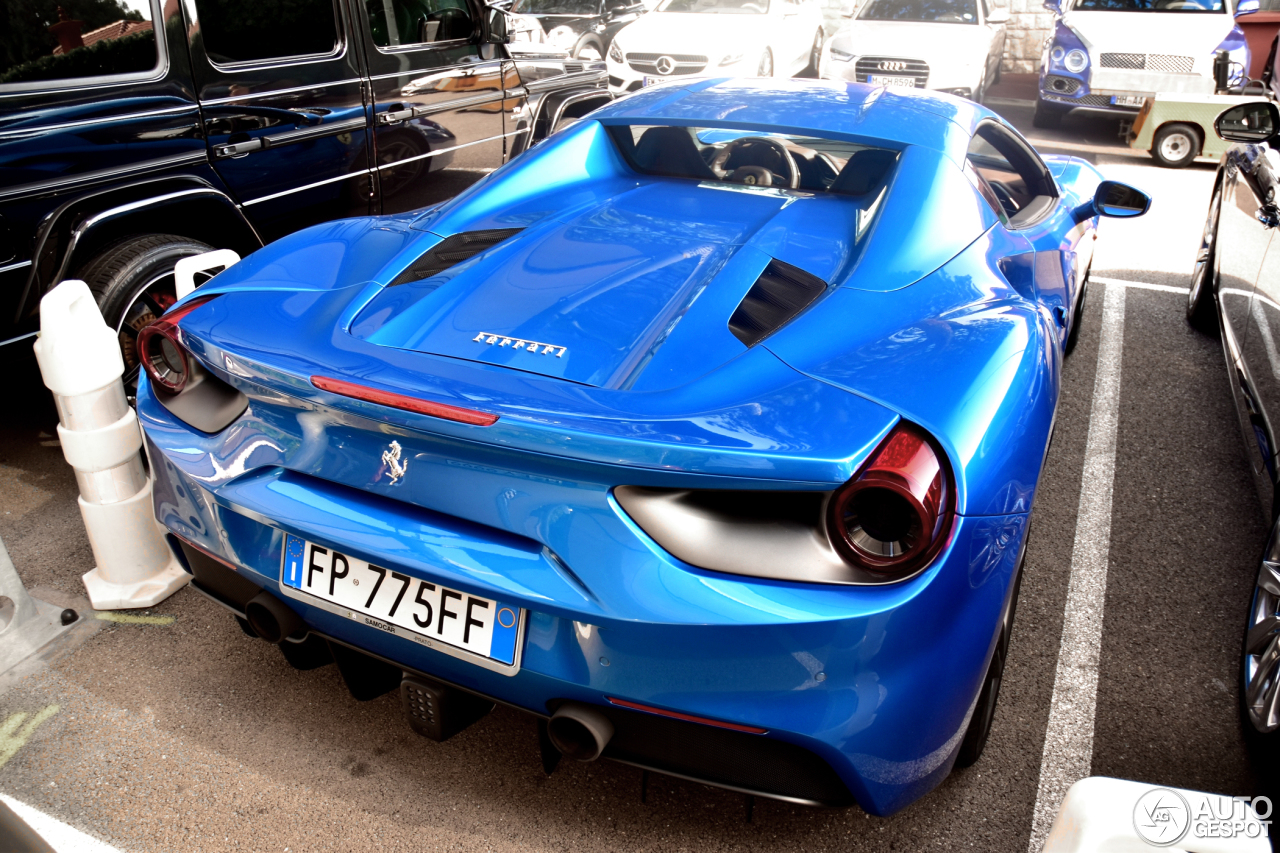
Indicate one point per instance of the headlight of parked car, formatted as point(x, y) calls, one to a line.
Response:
point(732, 58)
point(615, 52)
point(1076, 60)
point(841, 55)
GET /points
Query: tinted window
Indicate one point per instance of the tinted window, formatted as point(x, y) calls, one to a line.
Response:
point(1011, 176)
point(753, 158)
point(400, 22)
point(91, 38)
point(1149, 5)
point(929, 11)
point(251, 30)
point(558, 7)
point(722, 7)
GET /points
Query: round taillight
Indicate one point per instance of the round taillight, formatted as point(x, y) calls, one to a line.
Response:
point(893, 516)
point(162, 354)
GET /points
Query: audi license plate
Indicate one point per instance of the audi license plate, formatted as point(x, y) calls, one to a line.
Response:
point(883, 80)
point(395, 602)
point(1128, 100)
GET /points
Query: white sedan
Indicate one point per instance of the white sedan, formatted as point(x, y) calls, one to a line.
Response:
point(952, 45)
point(731, 38)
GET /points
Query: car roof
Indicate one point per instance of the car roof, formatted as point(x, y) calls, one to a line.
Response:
point(829, 108)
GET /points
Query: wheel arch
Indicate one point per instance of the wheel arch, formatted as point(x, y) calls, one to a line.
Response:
point(82, 226)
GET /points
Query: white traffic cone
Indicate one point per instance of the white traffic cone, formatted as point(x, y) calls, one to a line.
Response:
point(81, 364)
point(26, 623)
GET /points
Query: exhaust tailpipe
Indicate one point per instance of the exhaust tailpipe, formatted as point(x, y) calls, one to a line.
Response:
point(579, 731)
point(270, 618)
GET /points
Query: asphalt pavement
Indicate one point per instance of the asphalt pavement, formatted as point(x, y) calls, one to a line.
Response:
point(177, 732)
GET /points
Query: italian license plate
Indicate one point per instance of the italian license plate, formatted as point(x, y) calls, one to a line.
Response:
point(653, 81)
point(1128, 100)
point(882, 80)
point(400, 604)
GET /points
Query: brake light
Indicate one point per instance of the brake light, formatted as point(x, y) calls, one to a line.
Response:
point(404, 401)
point(162, 354)
point(895, 514)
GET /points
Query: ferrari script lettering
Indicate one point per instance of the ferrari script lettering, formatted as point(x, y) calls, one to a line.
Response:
point(519, 343)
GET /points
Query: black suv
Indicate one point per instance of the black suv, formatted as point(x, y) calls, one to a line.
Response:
point(134, 133)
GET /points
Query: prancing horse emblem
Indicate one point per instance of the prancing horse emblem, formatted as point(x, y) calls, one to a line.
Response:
point(391, 458)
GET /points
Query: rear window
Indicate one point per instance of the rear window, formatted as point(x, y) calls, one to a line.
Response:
point(77, 40)
point(925, 11)
point(754, 158)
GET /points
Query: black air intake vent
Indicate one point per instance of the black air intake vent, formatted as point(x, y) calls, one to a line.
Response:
point(781, 292)
point(450, 251)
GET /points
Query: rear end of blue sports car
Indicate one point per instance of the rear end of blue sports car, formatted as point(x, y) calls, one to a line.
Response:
point(706, 432)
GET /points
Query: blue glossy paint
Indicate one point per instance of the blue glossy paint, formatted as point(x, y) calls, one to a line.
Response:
point(934, 312)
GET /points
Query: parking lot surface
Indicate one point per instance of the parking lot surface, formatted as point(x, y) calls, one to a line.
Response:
point(175, 731)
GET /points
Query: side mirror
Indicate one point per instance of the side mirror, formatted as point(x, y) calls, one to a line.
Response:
point(1121, 200)
point(998, 16)
point(1054, 6)
point(499, 29)
point(1255, 122)
point(1248, 7)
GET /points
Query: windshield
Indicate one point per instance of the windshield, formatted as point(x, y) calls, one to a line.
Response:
point(1149, 5)
point(757, 160)
point(928, 11)
point(556, 7)
point(713, 7)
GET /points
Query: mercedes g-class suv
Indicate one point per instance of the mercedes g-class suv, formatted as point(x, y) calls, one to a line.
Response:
point(134, 133)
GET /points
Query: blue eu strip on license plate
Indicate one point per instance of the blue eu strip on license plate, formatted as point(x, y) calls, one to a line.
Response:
point(399, 603)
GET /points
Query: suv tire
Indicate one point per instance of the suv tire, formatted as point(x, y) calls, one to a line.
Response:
point(133, 283)
point(1047, 117)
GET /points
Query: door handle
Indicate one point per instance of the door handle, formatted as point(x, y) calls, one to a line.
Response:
point(1268, 215)
point(236, 149)
point(395, 116)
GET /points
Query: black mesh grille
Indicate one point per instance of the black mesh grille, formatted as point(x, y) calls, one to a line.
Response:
point(892, 66)
point(781, 292)
point(1062, 85)
point(450, 251)
point(749, 762)
point(1148, 62)
point(1124, 60)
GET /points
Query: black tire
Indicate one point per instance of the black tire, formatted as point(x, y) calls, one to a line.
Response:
point(1176, 144)
point(765, 69)
point(1077, 319)
point(1047, 116)
point(984, 713)
point(133, 284)
point(1202, 308)
point(815, 56)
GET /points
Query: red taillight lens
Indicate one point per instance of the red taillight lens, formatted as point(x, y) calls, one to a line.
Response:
point(404, 401)
point(894, 516)
point(160, 352)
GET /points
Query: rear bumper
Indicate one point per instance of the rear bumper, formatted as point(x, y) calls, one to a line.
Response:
point(864, 693)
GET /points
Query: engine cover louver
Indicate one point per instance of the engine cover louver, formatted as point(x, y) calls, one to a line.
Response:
point(781, 292)
point(450, 251)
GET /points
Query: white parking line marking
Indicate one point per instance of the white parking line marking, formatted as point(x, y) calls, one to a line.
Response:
point(1140, 285)
point(58, 835)
point(1068, 744)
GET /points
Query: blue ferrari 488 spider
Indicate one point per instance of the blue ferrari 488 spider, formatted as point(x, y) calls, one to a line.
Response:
point(707, 431)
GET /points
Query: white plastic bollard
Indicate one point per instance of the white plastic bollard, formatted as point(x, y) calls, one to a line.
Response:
point(184, 274)
point(1118, 816)
point(81, 364)
point(26, 624)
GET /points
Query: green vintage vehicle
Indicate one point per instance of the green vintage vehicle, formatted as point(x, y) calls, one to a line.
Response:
point(1177, 127)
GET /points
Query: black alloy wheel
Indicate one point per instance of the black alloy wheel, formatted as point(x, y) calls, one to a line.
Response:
point(133, 283)
point(405, 152)
point(1176, 145)
point(984, 713)
point(766, 64)
point(1047, 116)
point(1260, 662)
point(1202, 310)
